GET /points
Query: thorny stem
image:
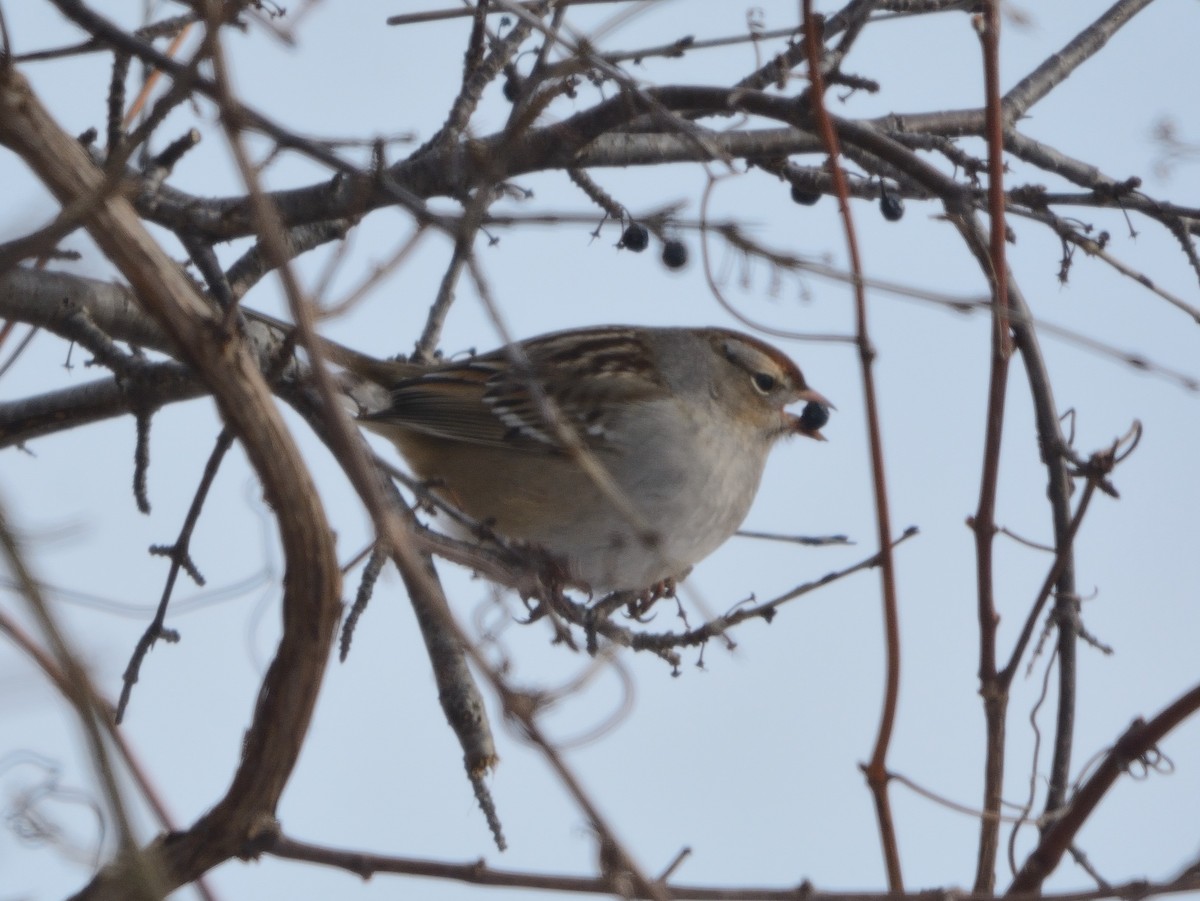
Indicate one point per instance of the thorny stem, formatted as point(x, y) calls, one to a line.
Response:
point(178, 554)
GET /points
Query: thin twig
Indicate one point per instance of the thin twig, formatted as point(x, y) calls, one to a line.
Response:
point(1138, 740)
point(993, 692)
point(180, 559)
point(876, 769)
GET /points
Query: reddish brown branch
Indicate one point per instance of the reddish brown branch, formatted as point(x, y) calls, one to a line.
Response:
point(995, 697)
point(478, 872)
point(1139, 740)
point(876, 768)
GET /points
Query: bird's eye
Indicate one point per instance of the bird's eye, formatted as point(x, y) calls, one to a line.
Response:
point(764, 382)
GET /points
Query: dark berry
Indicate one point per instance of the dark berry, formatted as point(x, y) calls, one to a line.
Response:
point(891, 205)
point(635, 238)
point(813, 416)
point(674, 254)
point(804, 196)
point(512, 83)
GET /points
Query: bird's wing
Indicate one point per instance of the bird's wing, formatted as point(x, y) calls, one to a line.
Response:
point(505, 398)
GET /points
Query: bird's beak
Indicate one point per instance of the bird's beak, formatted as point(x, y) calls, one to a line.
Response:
point(815, 415)
point(815, 397)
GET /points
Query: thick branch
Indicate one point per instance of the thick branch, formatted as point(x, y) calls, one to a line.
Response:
point(1042, 80)
point(312, 580)
point(46, 414)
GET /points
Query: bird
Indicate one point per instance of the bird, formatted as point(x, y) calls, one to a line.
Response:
point(626, 453)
